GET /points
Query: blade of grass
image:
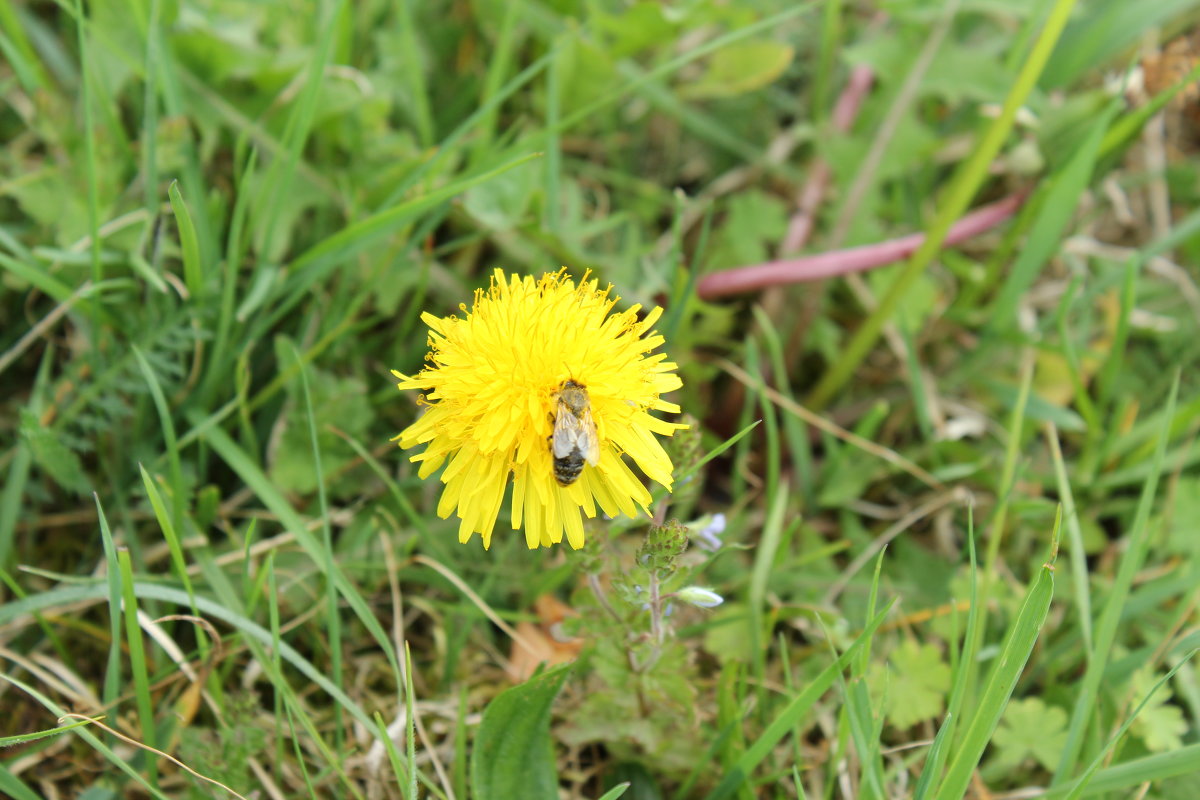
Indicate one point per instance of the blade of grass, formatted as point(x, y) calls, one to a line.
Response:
point(931, 774)
point(1110, 617)
point(20, 51)
point(996, 526)
point(965, 183)
point(398, 768)
point(137, 661)
point(22, 738)
point(786, 720)
point(10, 499)
point(1107, 376)
point(314, 263)
point(412, 74)
point(553, 175)
point(258, 482)
point(84, 733)
point(828, 47)
point(209, 608)
point(149, 139)
point(334, 621)
point(171, 534)
point(218, 366)
point(89, 150)
point(1045, 236)
point(1077, 554)
point(718, 450)
point(278, 181)
point(1082, 398)
point(411, 719)
point(794, 429)
point(1094, 767)
point(112, 671)
point(193, 270)
point(764, 561)
point(1148, 769)
point(1018, 646)
point(178, 499)
point(500, 63)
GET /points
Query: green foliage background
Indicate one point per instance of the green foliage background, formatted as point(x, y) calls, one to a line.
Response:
point(220, 223)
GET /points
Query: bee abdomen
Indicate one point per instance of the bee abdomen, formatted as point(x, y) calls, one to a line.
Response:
point(567, 468)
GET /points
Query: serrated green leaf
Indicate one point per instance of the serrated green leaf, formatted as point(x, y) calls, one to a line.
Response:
point(1160, 725)
point(1030, 729)
point(917, 683)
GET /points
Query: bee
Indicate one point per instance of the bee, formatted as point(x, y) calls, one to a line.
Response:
point(575, 439)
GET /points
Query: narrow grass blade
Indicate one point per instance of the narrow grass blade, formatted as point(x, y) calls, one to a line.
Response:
point(137, 661)
point(718, 450)
point(112, 670)
point(334, 619)
point(19, 50)
point(283, 170)
point(149, 138)
point(1110, 617)
point(89, 144)
point(258, 482)
point(501, 51)
point(193, 270)
point(1077, 554)
point(178, 498)
point(553, 176)
point(398, 768)
point(10, 499)
point(964, 670)
point(413, 75)
point(12, 786)
point(218, 363)
point(1018, 646)
point(1046, 234)
point(84, 733)
point(1085, 779)
point(171, 534)
point(786, 720)
point(764, 560)
point(1158, 767)
point(22, 738)
point(410, 702)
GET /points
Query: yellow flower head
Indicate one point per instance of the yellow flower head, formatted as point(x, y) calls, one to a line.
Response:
point(493, 388)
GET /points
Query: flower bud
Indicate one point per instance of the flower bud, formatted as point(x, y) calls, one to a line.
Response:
point(699, 596)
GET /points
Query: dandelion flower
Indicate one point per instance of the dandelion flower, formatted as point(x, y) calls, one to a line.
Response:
point(492, 387)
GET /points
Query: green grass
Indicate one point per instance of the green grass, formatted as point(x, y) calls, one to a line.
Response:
point(960, 493)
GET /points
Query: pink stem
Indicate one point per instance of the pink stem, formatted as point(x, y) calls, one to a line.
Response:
point(844, 113)
point(853, 259)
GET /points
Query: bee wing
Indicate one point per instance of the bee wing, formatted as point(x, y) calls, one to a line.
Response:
point(575, 434)
point(590, 446)
point(568, 430)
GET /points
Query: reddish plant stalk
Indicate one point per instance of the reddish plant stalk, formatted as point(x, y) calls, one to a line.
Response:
point(853, 259)
point(844, 113)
